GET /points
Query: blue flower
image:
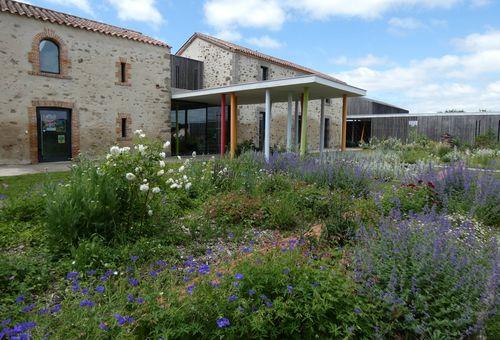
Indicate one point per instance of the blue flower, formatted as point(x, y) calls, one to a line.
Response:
point(28, 308)
point(103, 326)
point(186, 279)
point(247, 249)
point(233, 298)
point(286, 271)
point(100, 289)
point(190, 289)
point(130, 298)
point(223, 322)
point(231, 235)
point(290, 289)
point(263, 297)
point(71, 275)
point(134, 258)
point(91, 272)
point(218, 274)
point(357, 310)
point(122, 320)
point(133, 282)
point(86, 303)
point(139, 300)
point(153, 273)
point(55, 309)
point(239, 276)
point(269, 304)
point(20, 299)
point(204, 269)
point(251, 292)
point(5, 322)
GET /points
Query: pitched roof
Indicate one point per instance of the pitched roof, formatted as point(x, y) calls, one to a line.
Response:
point(256, 54)
point(60, 18)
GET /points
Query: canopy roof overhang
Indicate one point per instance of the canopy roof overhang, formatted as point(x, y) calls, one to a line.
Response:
point(254, 93)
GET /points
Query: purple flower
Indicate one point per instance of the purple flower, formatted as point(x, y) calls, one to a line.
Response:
point(91, 272)
point(186, 279)
point(5, 322)
point(86, 303)
point(190, 289)
point(122, 320)
point(290, 289)
point(100, 289)
point(251, 292)
point(133, 282)
point(239, 276)
point(153, 273)
point(71, 275)
point(269, 304)
point(103, 326)
point(130, 298)
point(55, 309)
point(247, 249)
point(233, 298)
point(139, 300)
point(263, 297)
point(357, 310)
point(204, 269)
point(286, 271)
point(134, 258)
point(28, 308)
point(20, 299)
point(231, 235)
point(223, 322)
point(218, 274)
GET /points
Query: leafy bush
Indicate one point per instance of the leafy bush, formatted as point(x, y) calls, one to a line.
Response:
point(435, 279)
point(412, 197)
point(235, 209)
point(486, 140)
point(122, 197)
point(340, 224)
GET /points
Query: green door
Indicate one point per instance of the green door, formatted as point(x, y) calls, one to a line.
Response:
point(54, 134)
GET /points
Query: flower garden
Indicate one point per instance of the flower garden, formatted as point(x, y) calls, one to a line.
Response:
point(356, 245)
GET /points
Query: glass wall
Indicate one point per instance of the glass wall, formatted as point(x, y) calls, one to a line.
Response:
point(196, 127)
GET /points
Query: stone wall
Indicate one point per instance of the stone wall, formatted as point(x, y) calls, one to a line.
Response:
point(223, 67)
point(88, 85)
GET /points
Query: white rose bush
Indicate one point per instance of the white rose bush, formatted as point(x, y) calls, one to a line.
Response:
point(126, 194)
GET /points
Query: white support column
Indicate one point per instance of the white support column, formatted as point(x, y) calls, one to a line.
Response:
point(289, 125)
point(297, 127)
point(322, 129)
point(267, 129)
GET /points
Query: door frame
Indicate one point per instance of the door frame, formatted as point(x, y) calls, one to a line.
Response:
point(69, 132)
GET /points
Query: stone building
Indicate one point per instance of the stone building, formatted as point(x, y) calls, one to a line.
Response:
point(225, 63)
point(71, 85)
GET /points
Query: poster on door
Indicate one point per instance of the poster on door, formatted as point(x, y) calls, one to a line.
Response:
point(49, 122)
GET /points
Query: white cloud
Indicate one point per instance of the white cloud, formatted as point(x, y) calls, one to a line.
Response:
point(224, 14)
point(468, 81)
point(82, 5)
point(265, 41)
point(229, 35)
point(477, 42)
point(133, 10)
point(366, 61)
point(405, 23)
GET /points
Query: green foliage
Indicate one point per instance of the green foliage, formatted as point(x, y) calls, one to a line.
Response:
point(340, 223)
point(487, 140)
point(411, 197)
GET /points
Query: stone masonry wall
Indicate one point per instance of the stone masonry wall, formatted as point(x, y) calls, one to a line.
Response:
point(88, 86)
point(223, 67)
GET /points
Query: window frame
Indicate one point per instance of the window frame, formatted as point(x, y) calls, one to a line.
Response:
point(56, 44)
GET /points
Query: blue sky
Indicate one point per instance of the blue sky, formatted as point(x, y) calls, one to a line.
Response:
point(426, 55)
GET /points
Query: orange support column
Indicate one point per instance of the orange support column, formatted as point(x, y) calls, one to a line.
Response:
point(234, 125)
point(344, 122)
point(223, 132)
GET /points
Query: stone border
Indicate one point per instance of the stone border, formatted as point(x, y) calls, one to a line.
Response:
point(128, 130)
point(34, 55)
point(33, 126)
point(128, 76)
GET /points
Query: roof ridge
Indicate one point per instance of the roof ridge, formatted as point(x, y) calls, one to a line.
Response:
point(257, 54)
point(61, 18)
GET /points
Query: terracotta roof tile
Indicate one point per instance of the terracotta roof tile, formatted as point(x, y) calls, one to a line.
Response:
point(255, 54)
point(44, 14)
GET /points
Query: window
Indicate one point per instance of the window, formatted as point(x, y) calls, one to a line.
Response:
point(326, 142)
point(265, 72)
point(328, 101)
point(123, 72)
point(49, 57)
point(124, 127)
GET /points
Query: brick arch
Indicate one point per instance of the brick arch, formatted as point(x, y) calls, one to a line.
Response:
point(34, 55)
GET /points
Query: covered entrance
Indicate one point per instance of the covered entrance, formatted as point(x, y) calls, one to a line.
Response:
point(298, 90)
point(54, 134)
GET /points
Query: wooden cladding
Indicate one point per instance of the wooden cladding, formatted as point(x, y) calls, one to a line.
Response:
point(187, 73)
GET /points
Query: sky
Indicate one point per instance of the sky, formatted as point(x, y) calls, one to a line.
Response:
point(423, 55)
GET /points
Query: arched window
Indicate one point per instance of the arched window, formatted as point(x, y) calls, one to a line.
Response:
point(49, 57)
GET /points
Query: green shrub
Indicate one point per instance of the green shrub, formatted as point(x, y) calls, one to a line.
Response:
point(340, 224)
point(411, 197)
point(284, 211)
point(235, 209)
point(486, 140)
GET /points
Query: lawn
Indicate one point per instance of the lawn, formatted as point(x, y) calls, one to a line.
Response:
point(354, 246)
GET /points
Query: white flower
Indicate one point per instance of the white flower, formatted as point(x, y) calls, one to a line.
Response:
point(138, 169)
point(170, 180)
point(138, 132)
point(166, 145)
point(160, 173)
point(108, 156)
point(185, 177)
point(145, 180)
point(179, 157)
point(181, 169)
point(188, 186)
point(144, 187)
point(125, 149)
point(156, 190)
point(150, 212)
point(141, 148)
point(163, 155)
point(194, 154)
point(162, 164)
point(170, 171)
point(130, 176)
point(142, 135)
point(115, 150)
